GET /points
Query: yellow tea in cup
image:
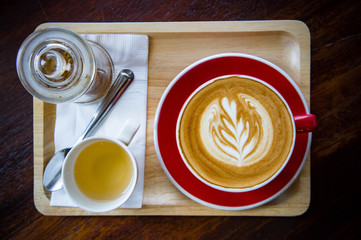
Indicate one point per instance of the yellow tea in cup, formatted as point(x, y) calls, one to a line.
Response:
point(103, 170)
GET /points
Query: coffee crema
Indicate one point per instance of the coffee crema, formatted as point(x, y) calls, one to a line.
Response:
point(235, 132)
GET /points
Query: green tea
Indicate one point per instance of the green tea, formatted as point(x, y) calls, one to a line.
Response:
point(103, 170)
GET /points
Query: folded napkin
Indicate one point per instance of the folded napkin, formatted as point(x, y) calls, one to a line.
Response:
point(127, 51)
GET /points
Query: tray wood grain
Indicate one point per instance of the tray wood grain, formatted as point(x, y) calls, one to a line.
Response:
point(172, 47)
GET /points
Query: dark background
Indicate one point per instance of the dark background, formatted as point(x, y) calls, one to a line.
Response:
point(334, 212)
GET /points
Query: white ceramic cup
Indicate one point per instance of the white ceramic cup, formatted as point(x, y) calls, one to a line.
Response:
point(70, 186)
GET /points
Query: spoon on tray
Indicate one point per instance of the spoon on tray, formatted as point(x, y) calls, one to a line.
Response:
point(52, 174)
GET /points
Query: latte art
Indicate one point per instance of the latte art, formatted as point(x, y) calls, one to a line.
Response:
point(235, 132)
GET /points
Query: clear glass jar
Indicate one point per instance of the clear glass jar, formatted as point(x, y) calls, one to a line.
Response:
point(57, 65)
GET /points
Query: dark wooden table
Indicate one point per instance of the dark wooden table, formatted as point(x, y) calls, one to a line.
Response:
point(335, 210)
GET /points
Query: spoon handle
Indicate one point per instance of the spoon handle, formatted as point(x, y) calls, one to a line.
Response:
point(124, 78)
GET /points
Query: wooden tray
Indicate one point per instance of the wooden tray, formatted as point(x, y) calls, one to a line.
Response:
point(172, 47)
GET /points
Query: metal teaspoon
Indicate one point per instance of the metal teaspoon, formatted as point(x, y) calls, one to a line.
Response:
point(52, 174)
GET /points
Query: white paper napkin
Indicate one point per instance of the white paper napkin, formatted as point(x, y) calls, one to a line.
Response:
point(127, 51)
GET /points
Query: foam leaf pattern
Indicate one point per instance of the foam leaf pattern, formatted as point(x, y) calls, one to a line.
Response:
point(234, 133)
point(234, 129)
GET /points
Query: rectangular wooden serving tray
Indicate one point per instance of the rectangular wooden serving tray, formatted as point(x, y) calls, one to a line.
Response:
point(172, 47)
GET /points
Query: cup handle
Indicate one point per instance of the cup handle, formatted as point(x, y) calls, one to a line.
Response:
point(128, 131)
point(305, 122)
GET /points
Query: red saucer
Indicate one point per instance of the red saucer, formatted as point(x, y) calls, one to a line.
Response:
point(172, 102)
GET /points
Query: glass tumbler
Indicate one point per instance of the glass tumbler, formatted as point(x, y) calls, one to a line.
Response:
point(57, 65)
